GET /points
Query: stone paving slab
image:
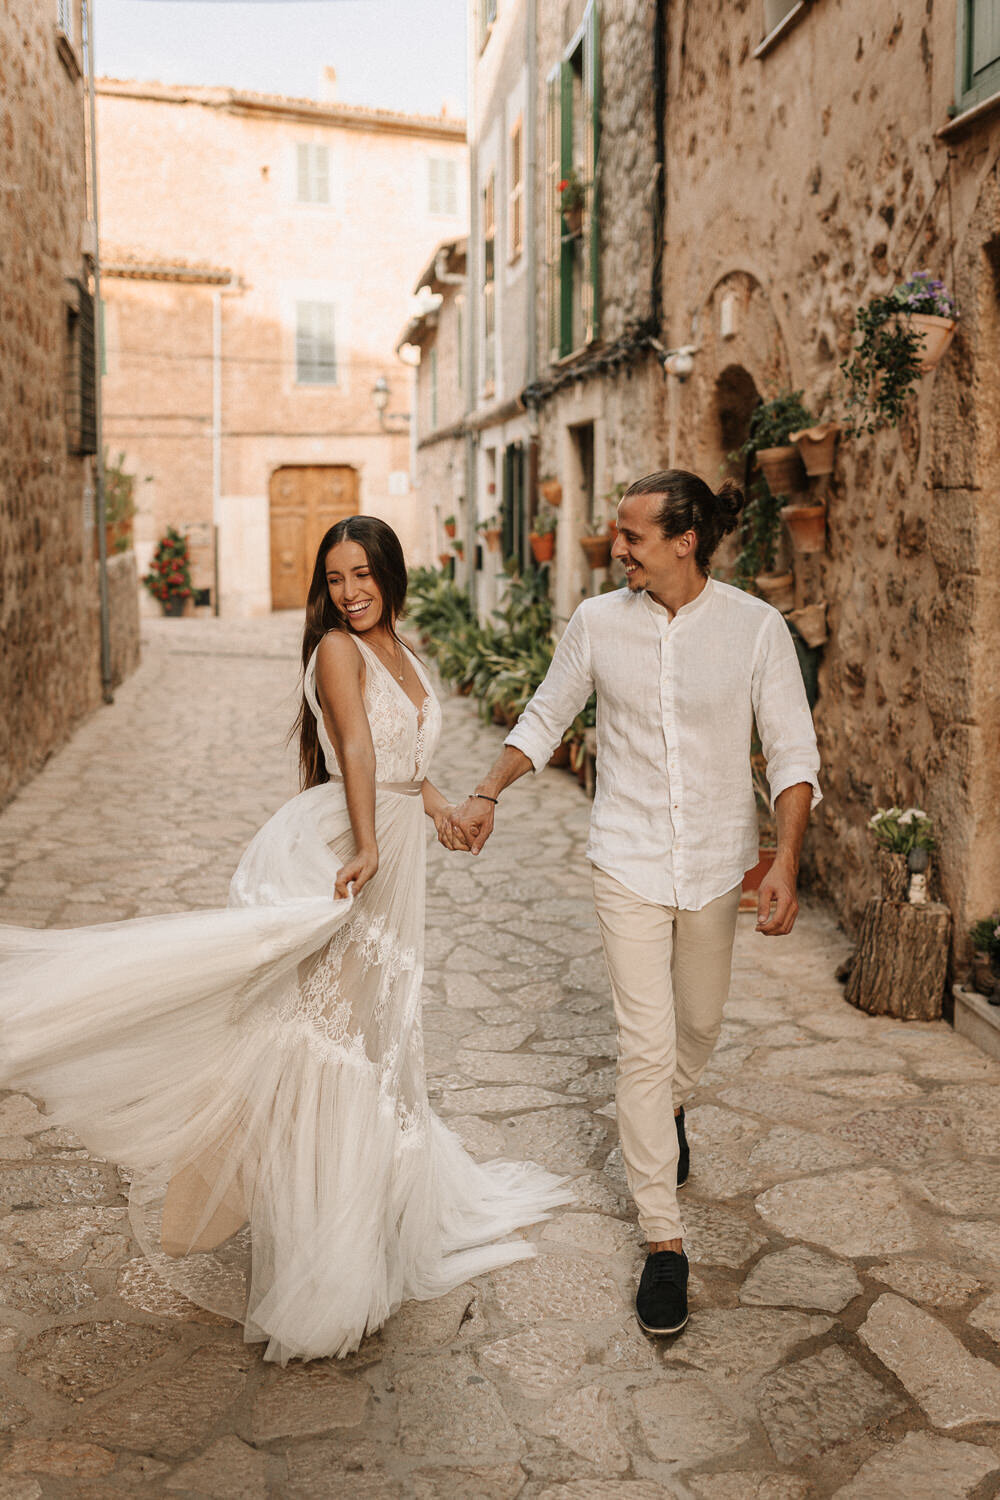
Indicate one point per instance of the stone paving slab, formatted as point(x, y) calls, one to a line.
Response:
point(843, 1213)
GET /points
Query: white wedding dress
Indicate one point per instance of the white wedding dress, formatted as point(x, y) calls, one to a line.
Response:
point(259, 1070)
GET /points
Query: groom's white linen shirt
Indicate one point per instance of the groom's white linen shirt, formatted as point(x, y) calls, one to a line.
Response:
point(674, 816)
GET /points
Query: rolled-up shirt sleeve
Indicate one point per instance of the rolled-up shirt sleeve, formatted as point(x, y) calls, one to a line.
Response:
point(781, 708)
point(559, 697)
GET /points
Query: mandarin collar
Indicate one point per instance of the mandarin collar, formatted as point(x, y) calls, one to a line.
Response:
point(659, 611)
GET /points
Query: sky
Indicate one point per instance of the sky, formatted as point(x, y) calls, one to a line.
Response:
point(398, 54)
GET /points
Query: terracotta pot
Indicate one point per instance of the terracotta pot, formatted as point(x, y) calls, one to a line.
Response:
point(543, 545)
point(597, 550)
point(778, 589)
point(894, 874)
point(935, 336)
point(612, 529)
point(551, 491)
point(816, 446)
point(752, 879)
point(492, 535)
point(573, 219)
point(782, 468)
point(449, 529)
point(807, 523)
point(560, 756)
point(444, 558)
point(173, 607)
point(810, 622)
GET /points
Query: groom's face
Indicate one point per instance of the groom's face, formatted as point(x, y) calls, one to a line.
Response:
point(650, 560)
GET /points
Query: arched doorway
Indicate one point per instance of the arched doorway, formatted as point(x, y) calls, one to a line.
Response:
point(305, 501)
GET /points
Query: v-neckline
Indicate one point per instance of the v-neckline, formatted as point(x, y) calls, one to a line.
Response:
point(420, 709)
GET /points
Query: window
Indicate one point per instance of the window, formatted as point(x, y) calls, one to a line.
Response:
point(978, 51)
point(315, 359)
point(487, 20)
point(64, 18)
point(515, 201)
point(434, 389)
point(312, 173)
point(489, 283)
point(442, 186)
point(81, 373)
point(572, 150)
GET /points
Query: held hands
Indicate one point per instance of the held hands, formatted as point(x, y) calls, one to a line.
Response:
point(360, 870)
point(777, 904)
point(473, 819)
point(448, 834)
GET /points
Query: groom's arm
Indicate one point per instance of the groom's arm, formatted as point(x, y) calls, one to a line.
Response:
point(555, 704)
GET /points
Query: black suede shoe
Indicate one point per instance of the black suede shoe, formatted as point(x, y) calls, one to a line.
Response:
point(684, 1156)
point(661, 1303)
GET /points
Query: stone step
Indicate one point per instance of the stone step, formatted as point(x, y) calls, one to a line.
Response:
point(977, 1019)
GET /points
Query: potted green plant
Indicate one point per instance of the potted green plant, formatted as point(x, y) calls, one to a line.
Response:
point(458, 546)
point(903, 335)
point(119, 504)
point(543, 537)
point(899, 833)
point(985, 936)
point(769, 441)
point(169, 576)
point(491, 531)
point(572, 192)
point(450, 526)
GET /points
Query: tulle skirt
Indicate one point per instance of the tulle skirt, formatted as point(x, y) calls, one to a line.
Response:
point(258, 1070)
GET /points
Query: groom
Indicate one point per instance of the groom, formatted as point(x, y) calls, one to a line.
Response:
point(681, 665)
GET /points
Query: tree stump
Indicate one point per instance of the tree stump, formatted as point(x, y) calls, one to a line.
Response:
point(901, 961)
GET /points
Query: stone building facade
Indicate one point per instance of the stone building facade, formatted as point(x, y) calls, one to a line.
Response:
point(816, 155)
point(260, 252)
point(50, 658)
point(754, 172)
point(437, 333)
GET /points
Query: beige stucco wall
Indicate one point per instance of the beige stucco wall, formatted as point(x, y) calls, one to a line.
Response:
point(191, 177)
point(798, 182)
point(49, 627)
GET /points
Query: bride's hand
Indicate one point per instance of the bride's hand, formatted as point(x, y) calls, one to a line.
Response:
point(448, 834)
point(360, 870)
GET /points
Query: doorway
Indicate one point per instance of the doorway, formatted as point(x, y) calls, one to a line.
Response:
point(305, 501)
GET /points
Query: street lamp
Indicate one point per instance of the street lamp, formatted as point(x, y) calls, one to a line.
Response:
point(380, 400)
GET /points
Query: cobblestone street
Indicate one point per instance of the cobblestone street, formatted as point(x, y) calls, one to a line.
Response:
point(843, 1209)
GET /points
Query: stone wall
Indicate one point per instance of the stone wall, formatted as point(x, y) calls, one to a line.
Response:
point(49, 639)
point(803, 182)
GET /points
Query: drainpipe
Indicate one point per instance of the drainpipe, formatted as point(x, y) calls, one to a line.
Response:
point(231, 286)
point(104, 609)
point(531, 142)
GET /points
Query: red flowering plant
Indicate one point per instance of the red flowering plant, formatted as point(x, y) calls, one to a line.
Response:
point(572, 192)
point(169, 575)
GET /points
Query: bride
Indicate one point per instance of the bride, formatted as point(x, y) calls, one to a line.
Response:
point(258, 1069)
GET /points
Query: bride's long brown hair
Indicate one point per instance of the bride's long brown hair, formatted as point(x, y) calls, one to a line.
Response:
point(385, 559)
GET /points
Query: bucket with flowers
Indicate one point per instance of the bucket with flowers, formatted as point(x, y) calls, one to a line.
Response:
point(169, 576)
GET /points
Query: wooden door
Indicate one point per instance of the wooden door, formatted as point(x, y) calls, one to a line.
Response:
point(305, 503)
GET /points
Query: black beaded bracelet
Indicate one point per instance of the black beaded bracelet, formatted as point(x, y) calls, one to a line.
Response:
point(494, 800)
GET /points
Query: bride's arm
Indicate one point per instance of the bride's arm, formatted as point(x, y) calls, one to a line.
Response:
point(339, 683)
point(439, 809)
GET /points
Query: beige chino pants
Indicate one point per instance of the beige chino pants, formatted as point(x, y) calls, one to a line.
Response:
point(669, 973)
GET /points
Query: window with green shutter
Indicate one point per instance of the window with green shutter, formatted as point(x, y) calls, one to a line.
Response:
point(315, 356)
point(573, 152)
point(442, 186)
point(978, 51)
point(312, 166)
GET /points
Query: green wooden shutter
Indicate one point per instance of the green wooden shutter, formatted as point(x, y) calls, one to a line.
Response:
point(592, 128)
point(553, 218)
point(567, 247)
point(978, 51)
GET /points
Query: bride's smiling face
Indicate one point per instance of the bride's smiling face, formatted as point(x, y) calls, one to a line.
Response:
point(355, 594)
